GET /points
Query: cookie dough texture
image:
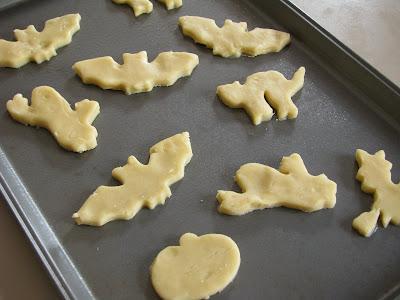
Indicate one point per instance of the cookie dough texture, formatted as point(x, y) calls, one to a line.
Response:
point(145, 6)
point(136, 74)
point(262, 92)
point(233, 39)
point(32, 45)
point(264, 187)
point(374, 174)
point(366, 223)
point(48, 109)
point(142, 185)
point(171, 4)
point(196, 269)
point(139, 6)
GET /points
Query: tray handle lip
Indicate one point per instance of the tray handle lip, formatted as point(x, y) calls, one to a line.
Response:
point(371, 86)
point(394, 292)
point(12, 189)
point(361, 61)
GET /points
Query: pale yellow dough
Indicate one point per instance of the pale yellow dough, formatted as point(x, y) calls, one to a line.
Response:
point(136, 74)
point(48, 109)
point(145, 6)
point(171, 4)
point(365, 223)
point(198, 268)
point(142, 185)
point(139, 6)
point(233, 39)
point(37, 46)
point(374, 174)
point(264, 187)
point(271, 85)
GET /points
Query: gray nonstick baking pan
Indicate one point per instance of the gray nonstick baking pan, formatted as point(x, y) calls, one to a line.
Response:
point(344, 105)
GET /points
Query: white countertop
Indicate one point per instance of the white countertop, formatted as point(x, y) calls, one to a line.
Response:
point(369, 28)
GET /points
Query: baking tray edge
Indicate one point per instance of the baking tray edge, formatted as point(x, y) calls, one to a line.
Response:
point(368, 81)
point(60, 268)
point(362, 75)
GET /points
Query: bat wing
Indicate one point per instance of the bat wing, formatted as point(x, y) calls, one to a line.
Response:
point(136, 74)
point(32, 45)
point(233, 39)
point(142, 185)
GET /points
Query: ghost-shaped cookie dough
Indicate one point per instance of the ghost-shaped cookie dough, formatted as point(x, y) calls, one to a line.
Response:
point(72, 129)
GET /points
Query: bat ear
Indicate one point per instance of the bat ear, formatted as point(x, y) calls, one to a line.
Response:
point(87, 111)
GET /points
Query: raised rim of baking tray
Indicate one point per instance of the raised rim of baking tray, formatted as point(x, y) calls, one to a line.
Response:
point(61, 269)
point(366, 79)
point(4, 4)
point(345, 61)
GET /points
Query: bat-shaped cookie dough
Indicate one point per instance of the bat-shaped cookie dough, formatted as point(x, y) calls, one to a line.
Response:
point(136, 74)
point(48, 109)
point(233, 39)
point(142, 185)
point(145, 6)
point(374, 174)
point(264, 187)
point(32, 45)
point(271, 85)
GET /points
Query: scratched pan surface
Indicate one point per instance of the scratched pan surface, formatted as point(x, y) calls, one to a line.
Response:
point(285, 253)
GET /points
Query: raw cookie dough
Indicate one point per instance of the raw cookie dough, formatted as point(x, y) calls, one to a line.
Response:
point(198, 268)
point(37, 46)
point(139, 6)
point(136, 74)
point(171, 4)
point(264, 187)
point(48, 109)
point(233, 39)
point(142, 185)
point(273, 86)
point(145, 6)
point(374, 174)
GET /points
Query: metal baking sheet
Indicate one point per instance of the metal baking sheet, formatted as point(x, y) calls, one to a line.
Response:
point(8, 3)
point(287, 254)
